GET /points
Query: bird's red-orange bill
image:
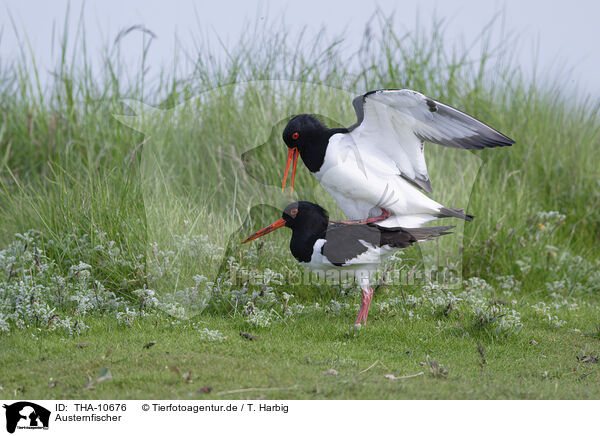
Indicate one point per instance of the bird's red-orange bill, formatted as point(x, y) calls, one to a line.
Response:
point(292, 155)
point(277, 224)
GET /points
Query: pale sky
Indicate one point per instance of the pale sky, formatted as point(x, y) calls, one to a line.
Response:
point(563, 34)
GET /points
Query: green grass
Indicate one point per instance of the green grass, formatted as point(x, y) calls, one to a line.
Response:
point(291, 362)
point(124, 195)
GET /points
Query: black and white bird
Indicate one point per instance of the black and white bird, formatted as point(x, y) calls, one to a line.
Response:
point(358, 249)
point(376, 167)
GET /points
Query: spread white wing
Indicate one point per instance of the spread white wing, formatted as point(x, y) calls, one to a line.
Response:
point(393, 124)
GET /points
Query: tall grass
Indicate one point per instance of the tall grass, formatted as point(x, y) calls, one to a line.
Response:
point(69, 167)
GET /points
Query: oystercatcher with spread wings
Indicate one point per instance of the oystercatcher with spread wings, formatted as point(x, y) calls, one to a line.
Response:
point(359, 249)
point(376, 167)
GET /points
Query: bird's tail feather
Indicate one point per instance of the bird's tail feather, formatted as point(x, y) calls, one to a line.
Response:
point(425, 233)
point(455, 213)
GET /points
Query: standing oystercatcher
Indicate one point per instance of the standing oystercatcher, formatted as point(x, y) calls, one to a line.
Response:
point(376, 167)
point(358, 249)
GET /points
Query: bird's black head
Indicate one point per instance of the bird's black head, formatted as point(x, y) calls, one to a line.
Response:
point(305, 216)
point(302, 131)
point(307, 135)
point(306, 220)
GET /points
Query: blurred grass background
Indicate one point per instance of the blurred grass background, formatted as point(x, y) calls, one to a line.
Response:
point(71, 166)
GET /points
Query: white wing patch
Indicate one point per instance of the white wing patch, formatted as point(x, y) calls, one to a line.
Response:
point(392, 125)
point(317, 260)
point(387, 134)
point(373, 255)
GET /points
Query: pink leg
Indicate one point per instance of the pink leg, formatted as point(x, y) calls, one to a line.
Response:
point(385, 214)
point(364, 306)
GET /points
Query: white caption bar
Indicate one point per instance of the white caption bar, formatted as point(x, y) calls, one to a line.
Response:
point(297, 417)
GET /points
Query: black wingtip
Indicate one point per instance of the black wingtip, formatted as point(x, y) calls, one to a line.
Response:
point(419, 182)
point(504, 141)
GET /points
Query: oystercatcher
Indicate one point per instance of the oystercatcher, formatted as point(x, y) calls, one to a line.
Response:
point(376, 168)
point(358, 249)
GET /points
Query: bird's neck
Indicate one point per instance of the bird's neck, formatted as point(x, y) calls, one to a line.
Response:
point(314, 156)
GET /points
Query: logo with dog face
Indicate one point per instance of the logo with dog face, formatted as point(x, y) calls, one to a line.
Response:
point(26, 415)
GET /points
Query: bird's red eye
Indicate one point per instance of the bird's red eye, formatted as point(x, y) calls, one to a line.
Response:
point(295, 135)
point(294, 211)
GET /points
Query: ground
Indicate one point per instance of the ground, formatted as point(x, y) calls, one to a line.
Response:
point(313, 357)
